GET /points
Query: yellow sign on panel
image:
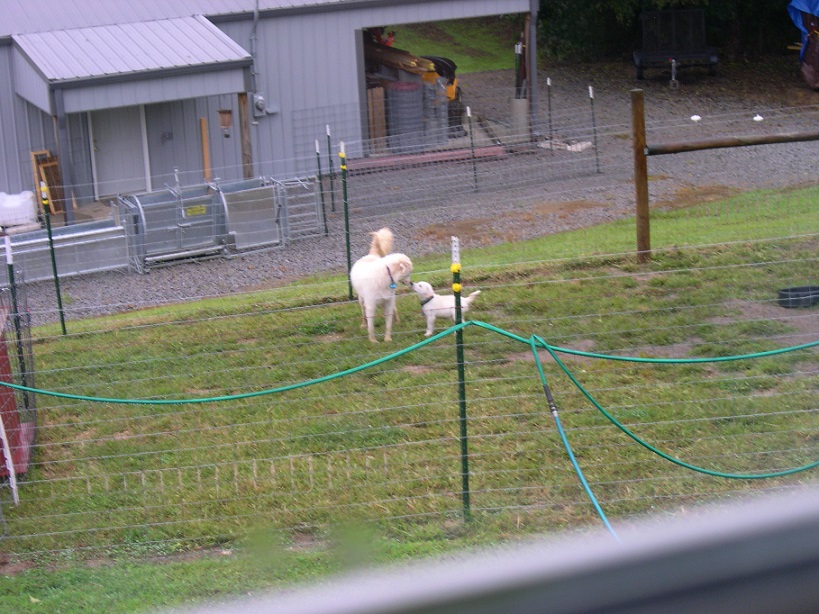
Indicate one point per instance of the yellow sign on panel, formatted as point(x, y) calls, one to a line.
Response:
point(196, 210)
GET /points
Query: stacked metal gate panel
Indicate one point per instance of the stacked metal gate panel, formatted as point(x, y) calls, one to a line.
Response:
point(302, 215)
point(200, 220)
point(252, 214)
point(175, 223)
point(79, 249)
point(172, 223)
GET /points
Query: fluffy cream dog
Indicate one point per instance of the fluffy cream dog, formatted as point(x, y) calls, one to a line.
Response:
point(375, 277)
point(438, 305)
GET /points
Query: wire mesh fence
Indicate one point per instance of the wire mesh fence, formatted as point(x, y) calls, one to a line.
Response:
point(131, 477)
point(194, 425)
point(18, 409)
point(381, 443)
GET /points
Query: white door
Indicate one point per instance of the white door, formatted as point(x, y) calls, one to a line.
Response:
point(118, 151)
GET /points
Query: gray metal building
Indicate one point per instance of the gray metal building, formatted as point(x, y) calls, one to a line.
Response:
point(132, 96)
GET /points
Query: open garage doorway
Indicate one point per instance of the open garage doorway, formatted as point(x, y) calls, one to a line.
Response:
point(414, 102)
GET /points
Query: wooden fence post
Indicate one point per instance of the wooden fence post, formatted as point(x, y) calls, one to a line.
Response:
point(244, 131)
point(638, 124)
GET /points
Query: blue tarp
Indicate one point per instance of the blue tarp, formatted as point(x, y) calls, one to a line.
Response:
point(795, 10)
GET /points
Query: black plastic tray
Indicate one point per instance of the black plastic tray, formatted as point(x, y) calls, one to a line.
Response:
point(802, 296)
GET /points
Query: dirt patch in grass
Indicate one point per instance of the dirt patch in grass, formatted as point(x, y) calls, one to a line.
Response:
point(673, 350)
point(307, 542)
point(9, 567)
point(418, 369)
point(330, 338)
point(485, 231)
point(567, 208)
point(476, 231)
point(696, 195)
point(804, 321)
point(582, 345)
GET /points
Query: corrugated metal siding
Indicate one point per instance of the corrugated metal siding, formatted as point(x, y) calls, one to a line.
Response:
point(226, 153)
point(28, 83)
point(183, 150)
point(308, 69)
point(112, 95)
point(9, 168)
point(81, 157)
point(37, 131)
point(23, 128)
point(307, 65)
point(29, 130)
point(84, 53)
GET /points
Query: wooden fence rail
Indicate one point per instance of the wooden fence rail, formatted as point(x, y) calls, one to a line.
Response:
point(642, 150)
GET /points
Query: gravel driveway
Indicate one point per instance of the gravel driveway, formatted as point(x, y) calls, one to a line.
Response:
point(726, 103)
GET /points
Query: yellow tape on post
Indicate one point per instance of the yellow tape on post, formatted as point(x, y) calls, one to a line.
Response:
point(44, 195)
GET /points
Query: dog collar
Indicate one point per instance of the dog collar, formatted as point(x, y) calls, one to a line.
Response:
point(426, 300)
point(392, 281)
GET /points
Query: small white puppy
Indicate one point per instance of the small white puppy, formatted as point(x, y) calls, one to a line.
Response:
point(438, 305)
point(374, 278)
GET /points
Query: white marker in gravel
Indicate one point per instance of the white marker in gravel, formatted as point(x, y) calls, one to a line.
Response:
point(695, 118)
point(758, 118)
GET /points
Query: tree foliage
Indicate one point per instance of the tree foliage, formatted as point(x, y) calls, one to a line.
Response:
point(571, 29)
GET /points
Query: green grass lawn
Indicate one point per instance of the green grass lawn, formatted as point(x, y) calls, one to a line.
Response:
point(135, 506)
point(474, 45)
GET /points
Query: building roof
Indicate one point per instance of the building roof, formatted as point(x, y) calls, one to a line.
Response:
point(26, 16)
point(93, 52)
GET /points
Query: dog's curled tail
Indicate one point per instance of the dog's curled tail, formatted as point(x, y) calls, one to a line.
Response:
point(381, 244)
point(468, 300)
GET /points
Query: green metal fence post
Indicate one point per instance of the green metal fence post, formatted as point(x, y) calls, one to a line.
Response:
point(459, 353)
point(44, 200)
point(18, 328)
point(343, 156)
point(321, 188)
point(332, 171)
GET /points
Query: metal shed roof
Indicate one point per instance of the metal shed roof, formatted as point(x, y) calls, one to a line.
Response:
point(128, 64)
point(129, 48)
point(24, 16)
